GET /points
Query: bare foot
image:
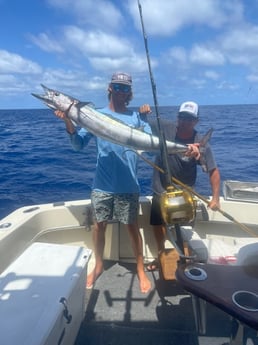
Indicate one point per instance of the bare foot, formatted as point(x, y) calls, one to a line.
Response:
point(145, 283)
point(92, 277)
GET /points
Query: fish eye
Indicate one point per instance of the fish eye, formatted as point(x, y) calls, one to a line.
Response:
point(57, 93)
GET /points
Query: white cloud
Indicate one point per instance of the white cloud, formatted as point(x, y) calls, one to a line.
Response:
point(101, 14)
point(130, 63)
point(240, 45)
point(44, 42)
point(211, 75)
point(252, 78)
point(208, 56)
point(225, 85)
point(198, 83)
point(178, 54)
point(105, 51)
point(96, 42)
point(242, 37)
point(14, 63)
point(11, 85)
point(164, 17)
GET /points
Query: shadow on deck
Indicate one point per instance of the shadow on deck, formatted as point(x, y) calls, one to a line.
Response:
point(119, 314)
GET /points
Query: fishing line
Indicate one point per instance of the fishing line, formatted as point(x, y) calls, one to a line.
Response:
point(162, 140)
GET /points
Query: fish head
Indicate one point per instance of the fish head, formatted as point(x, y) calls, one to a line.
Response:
point(55, 99)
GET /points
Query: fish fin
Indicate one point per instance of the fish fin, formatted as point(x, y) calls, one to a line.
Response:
point(89, 104)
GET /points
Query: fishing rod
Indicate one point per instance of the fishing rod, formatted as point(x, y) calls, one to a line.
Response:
point(162, 140)
point(190, 190)
point(167, 209)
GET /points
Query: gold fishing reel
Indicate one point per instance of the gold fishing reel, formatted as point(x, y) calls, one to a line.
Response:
point(177, 206)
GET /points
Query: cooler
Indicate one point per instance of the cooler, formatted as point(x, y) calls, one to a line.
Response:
point(42, 295)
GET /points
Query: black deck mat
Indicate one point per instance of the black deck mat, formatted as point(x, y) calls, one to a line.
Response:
point(119, 314)
point(99, 334)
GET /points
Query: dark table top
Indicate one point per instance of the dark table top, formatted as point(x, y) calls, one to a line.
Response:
point(219, 286)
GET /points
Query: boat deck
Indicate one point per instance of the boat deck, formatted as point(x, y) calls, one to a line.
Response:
point(119, 314)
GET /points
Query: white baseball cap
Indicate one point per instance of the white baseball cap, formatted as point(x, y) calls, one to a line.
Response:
point(189, 108)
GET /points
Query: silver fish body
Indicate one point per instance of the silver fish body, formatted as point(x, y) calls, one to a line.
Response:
point(104, 126)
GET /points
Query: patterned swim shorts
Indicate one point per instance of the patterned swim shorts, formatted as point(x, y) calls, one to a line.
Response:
point(109, 206)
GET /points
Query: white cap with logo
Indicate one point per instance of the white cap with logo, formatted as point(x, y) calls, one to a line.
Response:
point(189, 108)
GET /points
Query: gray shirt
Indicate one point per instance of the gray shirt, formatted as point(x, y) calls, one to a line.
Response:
point(181, 167)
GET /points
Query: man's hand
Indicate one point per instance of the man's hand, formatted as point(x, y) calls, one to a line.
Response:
point(68, 123)
point(193, 151)
point(60, 114)
point(214, 204)
point(145, 109)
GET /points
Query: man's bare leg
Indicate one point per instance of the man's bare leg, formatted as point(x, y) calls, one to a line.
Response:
point(144, 282)
point(160, 236)
point(99, 244)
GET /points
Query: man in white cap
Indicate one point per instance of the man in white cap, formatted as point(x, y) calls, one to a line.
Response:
point(181, 167)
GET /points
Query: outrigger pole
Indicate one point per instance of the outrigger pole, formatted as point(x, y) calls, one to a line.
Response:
point(162, 140)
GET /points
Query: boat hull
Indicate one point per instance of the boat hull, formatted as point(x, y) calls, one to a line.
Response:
point(69, 224)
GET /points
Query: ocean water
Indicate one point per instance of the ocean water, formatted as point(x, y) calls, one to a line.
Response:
point(38, 164)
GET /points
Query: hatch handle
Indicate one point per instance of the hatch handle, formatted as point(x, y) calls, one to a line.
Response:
point(66, 314)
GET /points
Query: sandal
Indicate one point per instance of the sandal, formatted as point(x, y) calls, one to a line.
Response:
point(153, 265)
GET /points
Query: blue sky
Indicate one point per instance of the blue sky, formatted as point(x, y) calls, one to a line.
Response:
point(201, 50)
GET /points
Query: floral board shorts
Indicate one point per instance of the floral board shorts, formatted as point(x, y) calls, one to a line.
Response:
point(121, 207)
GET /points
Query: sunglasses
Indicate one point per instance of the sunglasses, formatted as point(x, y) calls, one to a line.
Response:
point(121, 88)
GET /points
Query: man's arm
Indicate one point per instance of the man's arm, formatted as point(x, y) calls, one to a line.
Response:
point(215, 187)
point(78, 139)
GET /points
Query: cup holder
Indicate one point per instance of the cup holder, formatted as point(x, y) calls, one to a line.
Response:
point(195, 273)
point(246, 300)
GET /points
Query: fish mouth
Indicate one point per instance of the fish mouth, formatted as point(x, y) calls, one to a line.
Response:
point(45, 97)
point(41, 97)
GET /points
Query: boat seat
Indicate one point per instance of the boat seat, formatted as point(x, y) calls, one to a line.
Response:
point(248, 255)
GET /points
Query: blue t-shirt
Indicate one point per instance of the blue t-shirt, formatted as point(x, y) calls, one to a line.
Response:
point(116, 167)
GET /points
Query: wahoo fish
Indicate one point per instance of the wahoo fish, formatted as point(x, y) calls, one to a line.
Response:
point(104, 126)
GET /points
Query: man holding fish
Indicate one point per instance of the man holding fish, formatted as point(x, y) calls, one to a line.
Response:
point(115, 190)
